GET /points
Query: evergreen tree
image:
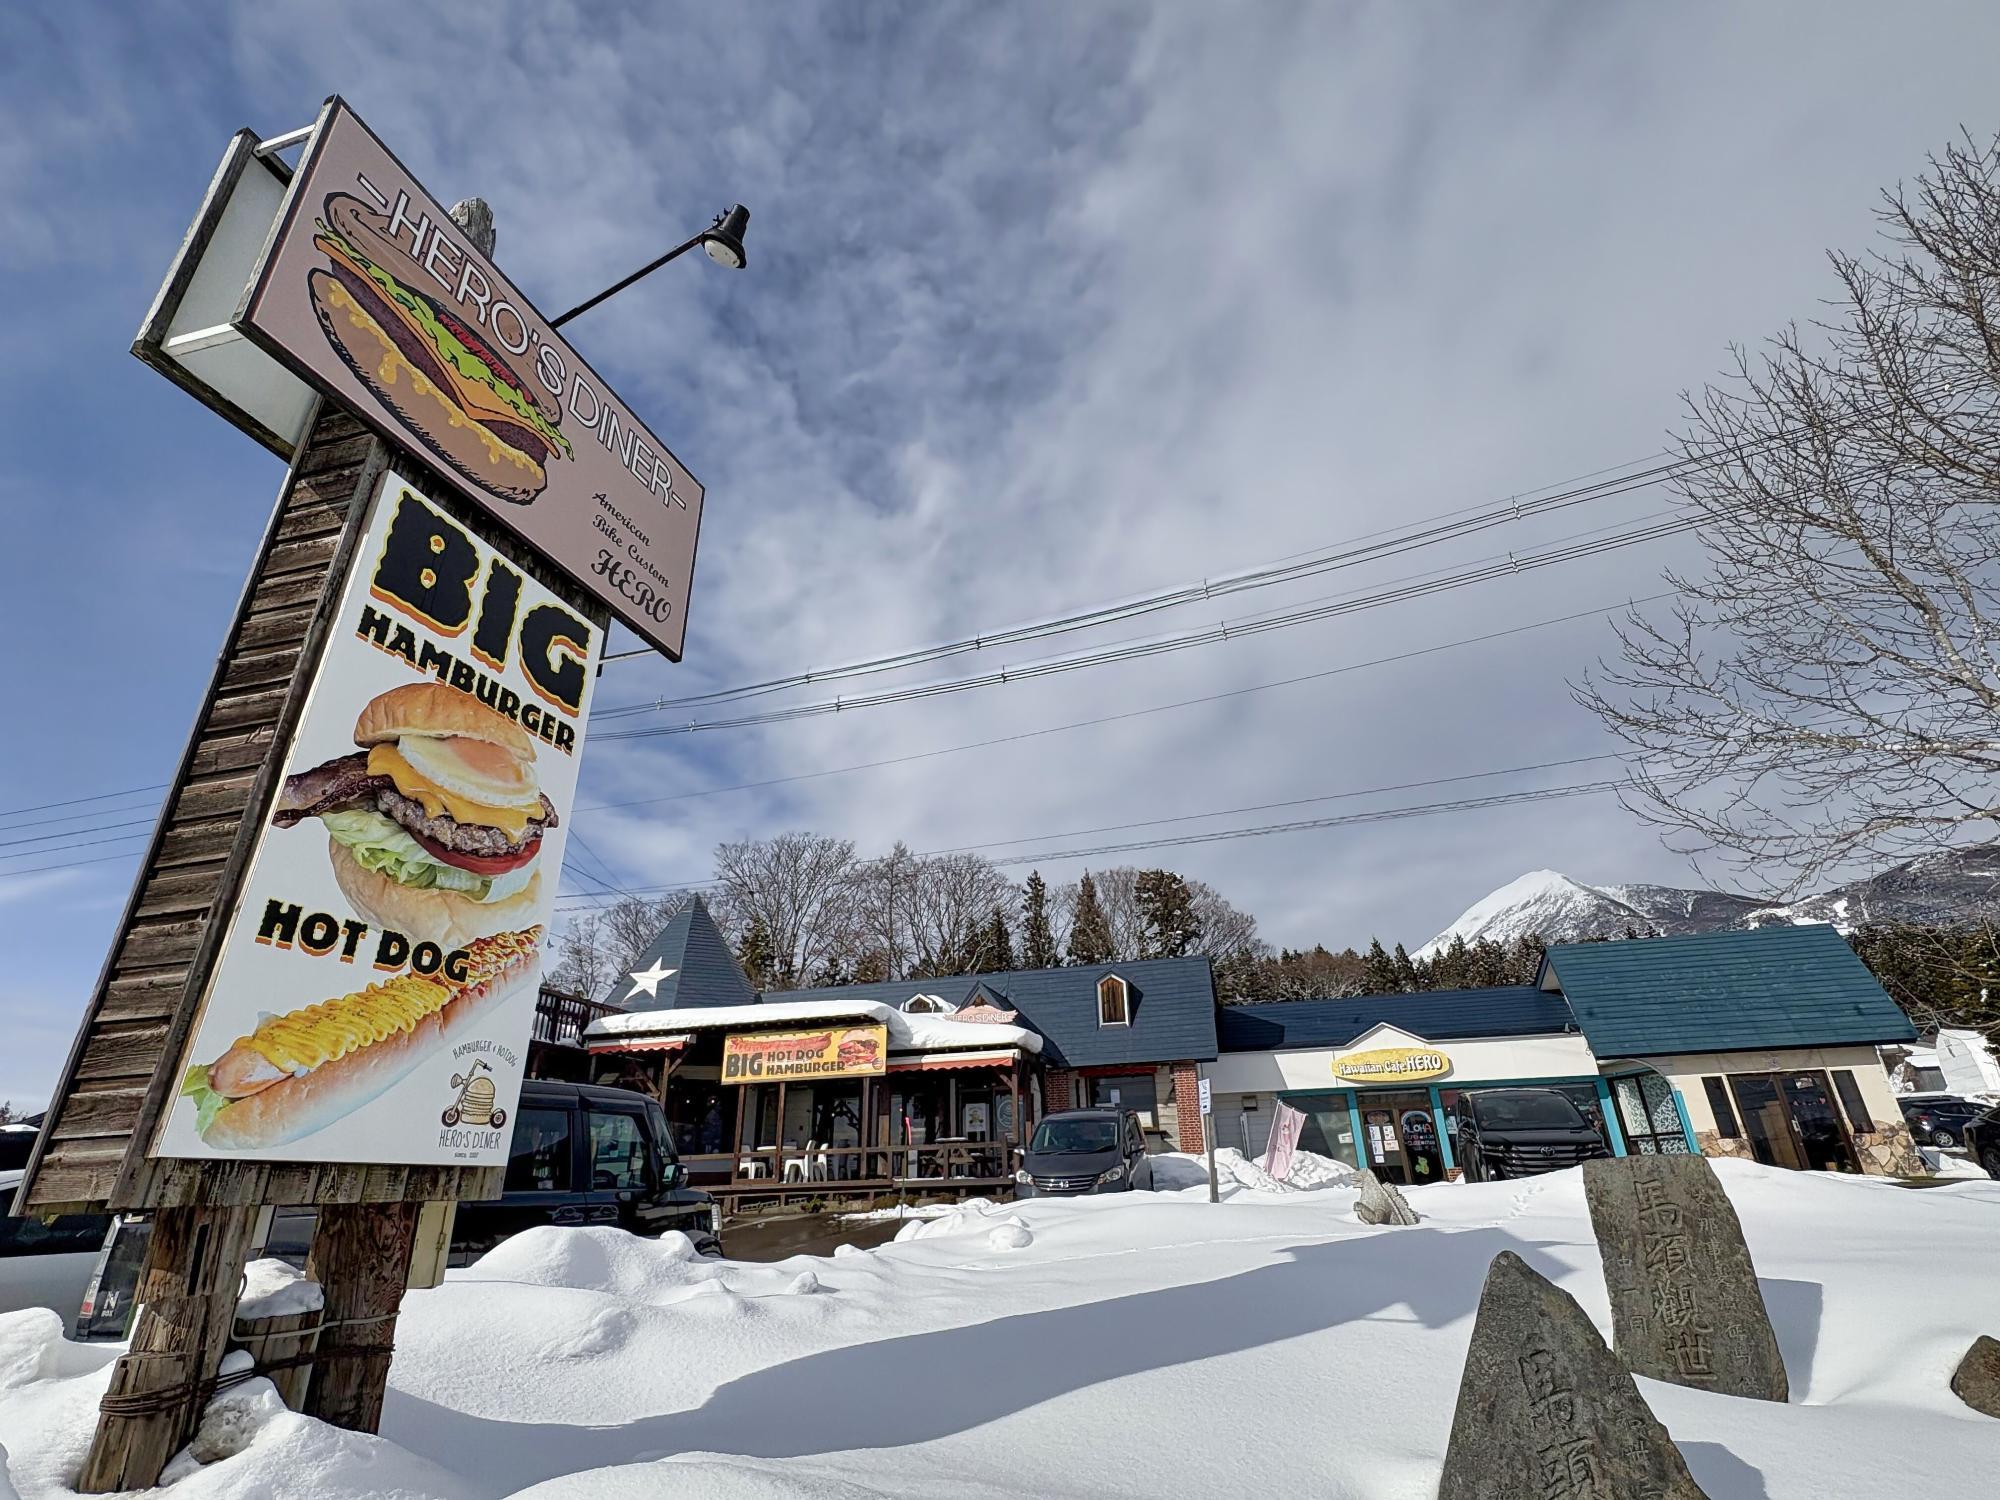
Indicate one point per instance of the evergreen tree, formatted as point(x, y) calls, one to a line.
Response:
point(754, 953)
point(1168, 928)
point(1090, 932)
point(1378, 973)
point(997, 945)
point(1038, 940)
point(1406, 972)
point(1524, 959)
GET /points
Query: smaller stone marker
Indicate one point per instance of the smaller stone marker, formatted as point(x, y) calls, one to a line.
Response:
point(1546, 1412)
point(1685, 1304)
point(1381, 1203)
point(1977, 1378)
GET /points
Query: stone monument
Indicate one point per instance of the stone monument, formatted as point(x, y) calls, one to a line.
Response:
point(1976, 1381)
point(1546, 1412)
point(1381, 1203)
point(1685, 1304)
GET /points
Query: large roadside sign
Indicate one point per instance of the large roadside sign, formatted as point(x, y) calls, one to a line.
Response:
point(368, 290)
point(375, 991)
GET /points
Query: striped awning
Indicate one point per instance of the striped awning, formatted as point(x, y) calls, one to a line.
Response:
point(639, 1044)
point(926, 1062)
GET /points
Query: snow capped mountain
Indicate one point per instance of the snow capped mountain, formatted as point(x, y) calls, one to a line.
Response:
point(1545, 901)
point(1955, 887)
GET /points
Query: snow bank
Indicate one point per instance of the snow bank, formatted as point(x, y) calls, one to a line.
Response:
point(273, 1289)
point(583, 1365)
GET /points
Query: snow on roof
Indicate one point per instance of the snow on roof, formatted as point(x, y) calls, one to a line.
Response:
point(909, 1031)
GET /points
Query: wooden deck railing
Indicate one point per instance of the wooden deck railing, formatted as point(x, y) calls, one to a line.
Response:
point(780, 1167)
point(560, 1017)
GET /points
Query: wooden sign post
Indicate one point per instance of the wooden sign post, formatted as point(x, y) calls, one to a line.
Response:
point(129, 1127)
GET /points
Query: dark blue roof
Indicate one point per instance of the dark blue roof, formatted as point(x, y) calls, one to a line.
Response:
point(1172, 1008)
point(1434, 1015)
point(1724, 992)
point(703, 970)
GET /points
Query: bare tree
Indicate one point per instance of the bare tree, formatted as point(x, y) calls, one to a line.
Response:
point(951, 911)
point(802, 886)
point(598, 946)
point(1829, 688)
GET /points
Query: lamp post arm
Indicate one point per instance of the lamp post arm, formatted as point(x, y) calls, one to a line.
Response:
point(645, 270)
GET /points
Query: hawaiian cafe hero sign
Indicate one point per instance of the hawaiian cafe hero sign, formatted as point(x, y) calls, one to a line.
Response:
point(1392, 1065)
point(837, 1051)
point(369, 291)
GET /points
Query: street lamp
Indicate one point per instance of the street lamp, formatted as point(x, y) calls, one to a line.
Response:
point(723, 240)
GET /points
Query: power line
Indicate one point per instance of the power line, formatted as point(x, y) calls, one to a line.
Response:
point(158, 786)
point(1136, 713)
point(1224, 631)
point(73, 863)
point(1470, 521)
point(1377, 815)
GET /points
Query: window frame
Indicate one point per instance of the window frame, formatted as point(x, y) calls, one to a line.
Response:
point(637, 1119)
point(1722, 1106)
point(564, 1158)
point(1124, 992)
point(1847, 1094)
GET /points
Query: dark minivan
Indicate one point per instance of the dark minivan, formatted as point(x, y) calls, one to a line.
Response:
point(1521, 1133)
point(1079, 1151)
point(580, 1155)
point(587, 1155)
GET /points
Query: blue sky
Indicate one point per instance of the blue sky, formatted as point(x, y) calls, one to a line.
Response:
point(1047, 305)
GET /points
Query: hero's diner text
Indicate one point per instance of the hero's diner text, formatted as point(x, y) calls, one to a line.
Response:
point(457, 271)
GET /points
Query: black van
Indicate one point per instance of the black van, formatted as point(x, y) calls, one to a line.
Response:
point(1523, 1132)
point(580, 1155)
point(587, 1155)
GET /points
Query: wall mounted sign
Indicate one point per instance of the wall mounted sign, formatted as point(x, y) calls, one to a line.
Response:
point(786, 1056)
point(368, 290)
point(375, 991)
point(1392, 1065)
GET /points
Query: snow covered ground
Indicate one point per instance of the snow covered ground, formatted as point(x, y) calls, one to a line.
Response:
point(1125, 1346)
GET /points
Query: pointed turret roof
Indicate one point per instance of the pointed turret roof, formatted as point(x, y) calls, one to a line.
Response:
point(687, 964)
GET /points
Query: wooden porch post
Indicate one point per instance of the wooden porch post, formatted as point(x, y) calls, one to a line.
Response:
point(360, 1256)
point(736, 1140)
point(778, 1159)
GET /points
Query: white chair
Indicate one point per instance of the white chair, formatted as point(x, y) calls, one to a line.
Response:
point(820, 1171)
point(796, 1169)
point(752, 1167)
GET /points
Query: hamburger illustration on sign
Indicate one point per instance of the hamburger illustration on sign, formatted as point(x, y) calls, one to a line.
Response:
point(454, 388)
point(434, 824)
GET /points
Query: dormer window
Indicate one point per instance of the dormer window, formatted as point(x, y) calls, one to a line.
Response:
point(1114, 1002)
point(925, 1005)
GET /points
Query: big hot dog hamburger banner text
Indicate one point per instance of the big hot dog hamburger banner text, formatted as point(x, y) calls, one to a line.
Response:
point(390, 931)
point(368, 290)
point(838, 1052)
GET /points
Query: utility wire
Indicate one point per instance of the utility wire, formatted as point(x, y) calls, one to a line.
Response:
point(1373, 547)
point(1174, 841)
point(1162, 645)
point(1135, 713)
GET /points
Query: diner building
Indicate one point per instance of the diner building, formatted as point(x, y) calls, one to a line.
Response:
point(874, 1088)
point(1758, 1044)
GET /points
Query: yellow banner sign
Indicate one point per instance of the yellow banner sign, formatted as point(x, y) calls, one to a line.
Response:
point(1391, 1065)
point(784, 1056)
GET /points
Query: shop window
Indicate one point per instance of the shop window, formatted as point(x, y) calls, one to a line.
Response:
point(1648, 1115)
point(1114, 1002)
point(539, 1159)
point(1850, 1100)
point(1722, 1109)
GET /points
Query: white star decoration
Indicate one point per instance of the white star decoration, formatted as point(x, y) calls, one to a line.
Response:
point(649, 979)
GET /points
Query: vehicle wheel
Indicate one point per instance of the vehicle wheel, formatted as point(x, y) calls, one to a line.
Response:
point(1990, 1160)
point(1943, 1139)
point(450, 1116)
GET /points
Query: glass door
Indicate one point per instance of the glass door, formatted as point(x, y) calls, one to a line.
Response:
point(1766, 1125)
point(1822, 1140)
